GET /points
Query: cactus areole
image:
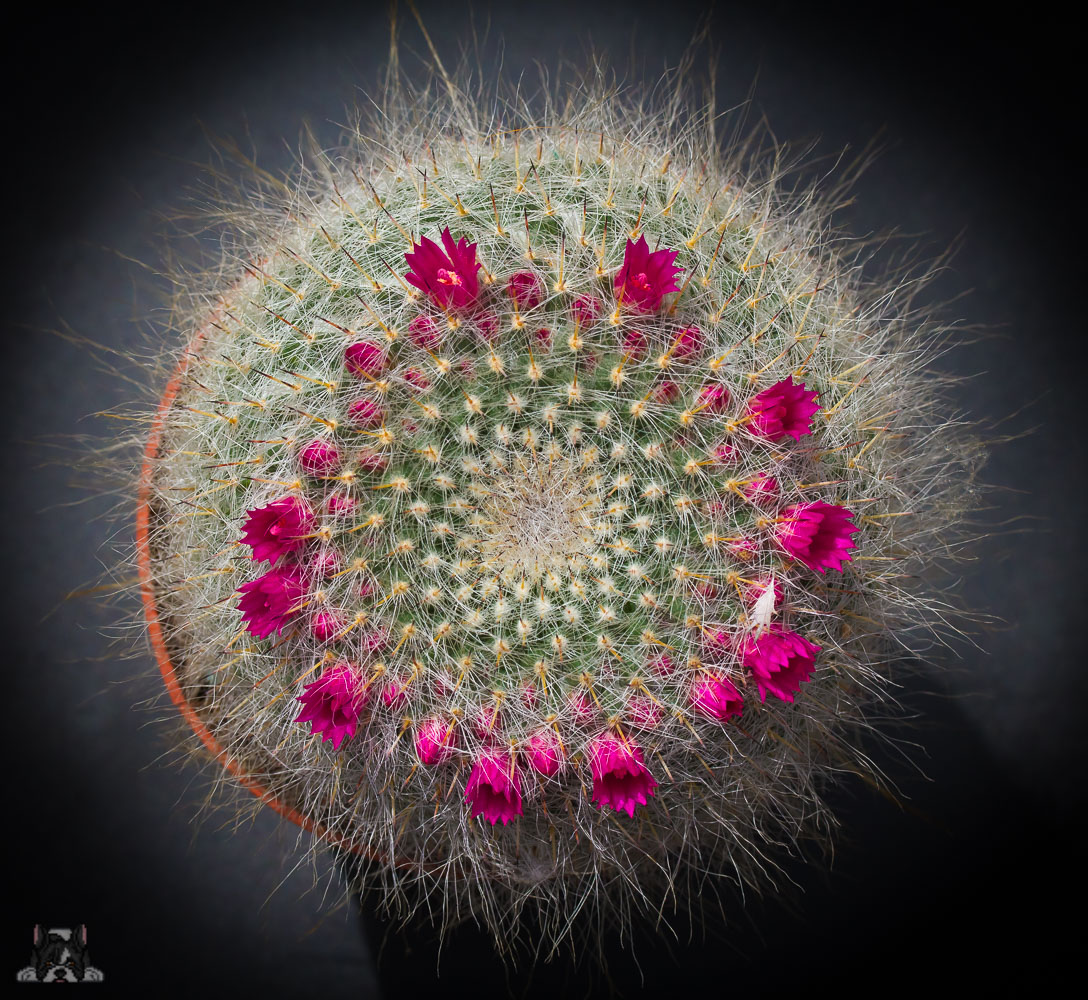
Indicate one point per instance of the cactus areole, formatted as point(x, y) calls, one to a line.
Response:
point(540, 509)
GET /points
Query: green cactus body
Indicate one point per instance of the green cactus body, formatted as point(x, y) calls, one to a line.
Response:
point(543, 522)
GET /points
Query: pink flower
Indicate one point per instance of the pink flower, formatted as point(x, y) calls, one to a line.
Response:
point(270, 602)
point(425, 332)
point(582, 707)
point(365, 359)
point(325, 563)
point(687, 342)
point(662, 664)
point(544, 338)
point(395, 693)
point(332, 703)
point(494, 788)
point(319, 458)
point(486, 725)
point(783, 409)
point(780, 661)
point(545, 753)
point(415, 378)
point(818, 534)
point(634, 344)
point(324, 625)
point(525, 289)
point(340, 505)
point(644, 713)
point(724, 454)
point(487, 326)
point(277, 528)
point(620, 778)
point(712, 398)
point(371, 461)
point(448, 278)
point(716, 697)
point(666, 391)
point(645, 277)
point(584, 310)
point(366, 413)
point(435, 741)
point(717, 642)
point(762, 488)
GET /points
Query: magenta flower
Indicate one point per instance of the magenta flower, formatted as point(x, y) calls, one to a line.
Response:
point(544, 752)
point(487, 326)
point(620, 778)
point(277, 528)
point(783, 409)
point(662, 664)
point(687, 342)
point(724, 454)
point(494, 788)
point(340, 505)
point(365, 359)
point(584, 310)
point(525, 289)
point(581, 706)
point(333, 702)
point(366, 413)
point(634, 344)
point(417, 380)
point(780, 661)
point(326, 563)
point(761, 489)
point(425, 332)
point(716, 697)
point(319, 458)
point(270, 602)
point(644, 713)
point(324, 625)
point(395, 693)
point(645, 277)
point(435, 741)
point(448, 278)
point(712, 398)
point(817, 534)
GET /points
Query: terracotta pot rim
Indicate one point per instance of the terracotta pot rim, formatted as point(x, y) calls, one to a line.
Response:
point(158, 642)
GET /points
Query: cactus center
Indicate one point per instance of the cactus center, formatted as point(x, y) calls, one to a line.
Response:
point(538, 518)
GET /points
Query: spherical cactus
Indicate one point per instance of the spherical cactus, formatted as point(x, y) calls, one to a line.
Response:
point(539, 511)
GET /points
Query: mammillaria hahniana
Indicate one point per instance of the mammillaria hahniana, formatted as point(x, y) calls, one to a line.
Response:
point(545, 504)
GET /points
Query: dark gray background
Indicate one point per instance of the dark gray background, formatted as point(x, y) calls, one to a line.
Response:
point(979, 116)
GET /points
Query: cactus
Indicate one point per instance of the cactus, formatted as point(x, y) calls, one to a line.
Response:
point(543, 510)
